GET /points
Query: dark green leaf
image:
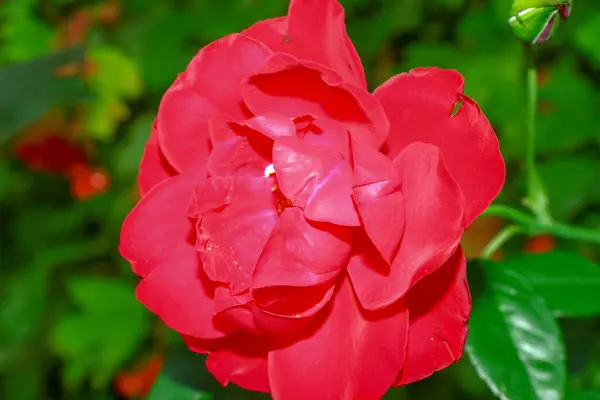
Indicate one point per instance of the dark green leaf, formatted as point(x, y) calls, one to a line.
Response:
point(30, 89)
point(569, 284)
point(514, 341)
point(109, 328)
point(166, 388)
point(583, 395)
point(128, 154)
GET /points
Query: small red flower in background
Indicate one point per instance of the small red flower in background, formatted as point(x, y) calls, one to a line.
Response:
point(57, 155)
point(301, 231)
point(137, 383)
point(51, 153)
point(87, 181)
point(540, 244)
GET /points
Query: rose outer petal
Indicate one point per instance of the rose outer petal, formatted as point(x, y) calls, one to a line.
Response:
point(241, 359)
point(439, 307)
point(154, 167)
point(314, 30)
point(165, 206)
point(209, 85)
point(271, 32)
point(316, 179)
point(180, 295)
point(434, 224)
point(292, 87)
point(347, 354)
point(419, 105)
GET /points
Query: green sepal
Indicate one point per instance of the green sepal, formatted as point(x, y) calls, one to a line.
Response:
point(536, 21)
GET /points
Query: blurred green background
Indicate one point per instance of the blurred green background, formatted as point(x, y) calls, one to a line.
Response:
point(80, 82)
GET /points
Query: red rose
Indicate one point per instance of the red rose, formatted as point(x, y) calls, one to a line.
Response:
point(302, 232)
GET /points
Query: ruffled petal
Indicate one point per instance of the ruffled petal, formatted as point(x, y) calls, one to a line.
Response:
point(154, 167)
point(181, 296)
point(271, 32)
point(380, 202)
point(218, 69)
point(292, 87)
point(419, 105)
point(347, 354)
point(238, 150)
point(314, 30)
point(272, 125)
point(439, 308)
point(157, 230)
point(182, 127)
point(298, 267)
point(316, 179)
point(236, 309)
point(209, 85)
point(243, 361)
point(235, 219)
point(434, 224)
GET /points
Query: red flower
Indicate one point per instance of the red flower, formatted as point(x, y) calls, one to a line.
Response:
point(53, 154)
point(301, 231)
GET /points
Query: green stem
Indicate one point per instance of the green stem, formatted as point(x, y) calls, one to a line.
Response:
point(537, 199)
point(532, 226)
point(498, 241)
point(572, 232)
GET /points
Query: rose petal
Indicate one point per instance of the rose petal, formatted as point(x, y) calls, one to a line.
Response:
point(237, 150)
point(299, 265)
point(236, 309)
point(180, 295)
point(316, 179)
point(218, 69)
point(182, 127)
point(439, 308)
point(272, 125)
point(154, 167)
point(165, 207)
point(243, 361)
point(292, 87)
point(419, 106)
point(271, 32)
point(348, 354)
point(434, 225)
point(209, 85)
point(380, 202)
point(233, 230)
point(315, 31)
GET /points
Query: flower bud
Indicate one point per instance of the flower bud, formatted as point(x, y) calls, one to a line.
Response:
point(535, 21)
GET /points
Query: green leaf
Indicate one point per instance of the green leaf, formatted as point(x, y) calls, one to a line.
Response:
point(514, 341)
point(22, 304)
point(166, 388)
point(24, 35)
point(586, 37)
point(30, 89)
point(569, 196)
point(117, 79)
point(583, 395)
point(129, 153)
point(109, 327)
point(569, 284)
point(564, 124)
point(24, 381)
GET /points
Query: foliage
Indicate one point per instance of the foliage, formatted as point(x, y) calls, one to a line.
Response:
point(93, 72)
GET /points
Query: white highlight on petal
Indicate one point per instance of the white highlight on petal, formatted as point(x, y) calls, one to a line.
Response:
point(270, 170)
